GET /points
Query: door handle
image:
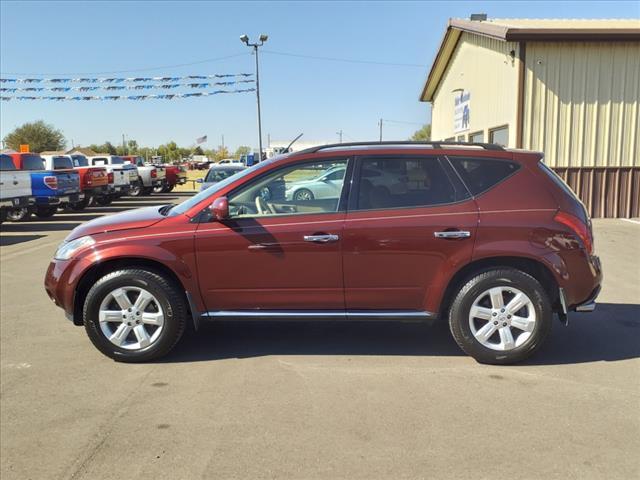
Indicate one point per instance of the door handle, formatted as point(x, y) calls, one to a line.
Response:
point(324, 238)
point(452, 234)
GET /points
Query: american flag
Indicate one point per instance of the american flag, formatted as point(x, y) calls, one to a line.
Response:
point(201, 140)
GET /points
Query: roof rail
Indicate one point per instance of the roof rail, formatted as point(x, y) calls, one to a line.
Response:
point(486, 146)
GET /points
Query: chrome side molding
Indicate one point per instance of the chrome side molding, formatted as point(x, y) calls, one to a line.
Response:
point(452, 234)
point(320, 314)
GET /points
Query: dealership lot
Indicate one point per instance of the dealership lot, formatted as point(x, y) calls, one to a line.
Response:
point(313, 399)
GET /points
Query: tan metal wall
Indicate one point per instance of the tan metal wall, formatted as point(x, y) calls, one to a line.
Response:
point(581, 103)
point(612, 192)
point(484, 67)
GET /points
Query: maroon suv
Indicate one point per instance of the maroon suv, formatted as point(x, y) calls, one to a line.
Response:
point(487, 238)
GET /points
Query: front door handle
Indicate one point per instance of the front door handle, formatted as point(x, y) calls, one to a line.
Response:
point(323, 238)
point(452, 234)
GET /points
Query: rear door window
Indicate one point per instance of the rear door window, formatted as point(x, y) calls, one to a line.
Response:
point(32, 162)
point(405, 182)
point(480, 174)
point(62, 163)
point(6, 163)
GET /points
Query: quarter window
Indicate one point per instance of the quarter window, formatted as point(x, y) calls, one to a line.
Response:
point(480, 174)
point(300, 189)
point(405, 182)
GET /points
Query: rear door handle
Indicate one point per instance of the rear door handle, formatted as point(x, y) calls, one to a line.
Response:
point(324, 238)
point(452, 234)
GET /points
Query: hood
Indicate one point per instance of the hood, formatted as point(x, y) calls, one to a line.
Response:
point(138, 218)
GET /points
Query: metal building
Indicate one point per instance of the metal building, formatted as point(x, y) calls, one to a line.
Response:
point(568, 88)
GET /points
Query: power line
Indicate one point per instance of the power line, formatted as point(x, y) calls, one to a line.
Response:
point(346, 60)
point(206, 60)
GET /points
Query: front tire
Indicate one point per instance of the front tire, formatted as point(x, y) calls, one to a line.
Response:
point(303, 195)
point(501, 316)
point(46, 212)
point(134, 315)
point(136, 189)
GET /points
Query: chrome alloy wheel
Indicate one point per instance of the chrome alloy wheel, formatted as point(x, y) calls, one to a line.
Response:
point(502, 318)
point(131, 318)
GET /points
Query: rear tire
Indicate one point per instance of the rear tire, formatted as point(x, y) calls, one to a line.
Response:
point(136, 189)
point(159, 189)
point(493, 332)
point(168, 302)
point(104, 201)
point(81, 205)
point(168, 189)
point(302, 195)
point(147, 190)
point(46, 212)
point(18, 214)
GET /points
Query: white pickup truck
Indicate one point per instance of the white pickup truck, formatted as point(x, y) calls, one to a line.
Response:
point(15, 187)
point(149, 176)
point(124, 176)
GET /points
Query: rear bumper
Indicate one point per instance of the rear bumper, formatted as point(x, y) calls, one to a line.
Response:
point(590, 304)
point(17, 202)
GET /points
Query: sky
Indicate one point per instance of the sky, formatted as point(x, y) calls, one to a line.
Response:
point(394, 44)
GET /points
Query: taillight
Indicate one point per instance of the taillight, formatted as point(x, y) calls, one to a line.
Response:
point(579, 228)
point(51, 182)
point(110, 177)
point(154, 173)
point(88, 177)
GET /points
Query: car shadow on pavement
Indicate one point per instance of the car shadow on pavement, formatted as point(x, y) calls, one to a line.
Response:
point(40, 226)
point(14, 239)
point(612, 333)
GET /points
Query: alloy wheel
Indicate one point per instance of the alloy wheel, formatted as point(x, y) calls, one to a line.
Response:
point(502, 318)
point(131, 318)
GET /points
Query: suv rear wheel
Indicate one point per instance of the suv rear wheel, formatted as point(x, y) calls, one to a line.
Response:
point(501, 316)
point(134, 315)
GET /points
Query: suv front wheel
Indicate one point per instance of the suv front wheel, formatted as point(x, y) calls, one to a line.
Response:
point(500, 316)
point(134, 315)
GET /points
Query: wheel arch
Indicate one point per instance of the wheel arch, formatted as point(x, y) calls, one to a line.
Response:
point(98, 270)
point(537, 269)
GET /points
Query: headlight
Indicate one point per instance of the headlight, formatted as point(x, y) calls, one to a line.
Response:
point(67, 249)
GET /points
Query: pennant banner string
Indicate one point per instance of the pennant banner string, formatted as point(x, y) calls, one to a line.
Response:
point(164, 86)
point(168, 96)
point(122, 79)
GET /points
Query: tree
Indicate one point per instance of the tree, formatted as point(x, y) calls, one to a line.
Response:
point(38, 135)
point(198, 151)
point(422, 135)
point(221, 153)
point(242, 150)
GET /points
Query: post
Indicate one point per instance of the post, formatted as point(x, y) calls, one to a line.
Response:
point(340, 135)
point(255, 49)
point(380, 130)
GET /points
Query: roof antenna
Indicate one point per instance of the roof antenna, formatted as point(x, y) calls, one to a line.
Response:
point(293, 141)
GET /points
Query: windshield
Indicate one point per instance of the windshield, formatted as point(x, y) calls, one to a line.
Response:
point(219, 174)
point(6, 163)
point(189, 203)
point(32, 162)
point(80, 161)
point(61, 163)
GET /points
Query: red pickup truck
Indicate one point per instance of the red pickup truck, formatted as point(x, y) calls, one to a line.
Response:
point(176, 175)
point(93, 180)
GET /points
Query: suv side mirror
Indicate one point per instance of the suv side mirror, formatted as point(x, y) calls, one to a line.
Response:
point(220, 208)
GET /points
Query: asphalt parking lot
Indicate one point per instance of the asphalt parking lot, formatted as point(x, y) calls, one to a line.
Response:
point(315, 400)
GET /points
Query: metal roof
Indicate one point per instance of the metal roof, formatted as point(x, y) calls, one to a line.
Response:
point(526, 29)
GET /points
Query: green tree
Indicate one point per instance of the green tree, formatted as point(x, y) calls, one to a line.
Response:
point(422, 135)
point(198, 151)
point(221, 153)
point(242, 150)
point(38, 135)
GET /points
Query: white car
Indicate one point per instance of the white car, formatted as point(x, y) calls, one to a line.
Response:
point(326, 185)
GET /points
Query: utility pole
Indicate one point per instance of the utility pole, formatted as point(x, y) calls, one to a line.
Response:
point(263, 38)
point(380, 130)
point(223, 140)
point(124, 148)
point(340, 135)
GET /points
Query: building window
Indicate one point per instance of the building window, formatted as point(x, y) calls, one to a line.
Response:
point(450, 139)
point(476, 137)
point(460, 138)
point(499, 135)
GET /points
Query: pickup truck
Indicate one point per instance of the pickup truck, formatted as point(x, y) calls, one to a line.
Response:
point(93, 180)
point(124, 176)
point(150, 176)
point(51, 188)
point(15, 188)
point(176, 175)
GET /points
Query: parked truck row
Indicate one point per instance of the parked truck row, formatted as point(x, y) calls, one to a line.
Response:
point(32, 184)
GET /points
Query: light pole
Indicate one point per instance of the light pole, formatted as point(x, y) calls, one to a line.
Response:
point(263, 38)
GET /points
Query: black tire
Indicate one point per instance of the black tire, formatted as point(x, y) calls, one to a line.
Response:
point(169, 296)
point(104, 201)
point(168, 189)
point(500, 277)
point(147, 190)
point(19, 214)
point(159, 189)
point(46, 212)
point(304, 194)
point(136, 189)
point(81, 205)
point(3, 215)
